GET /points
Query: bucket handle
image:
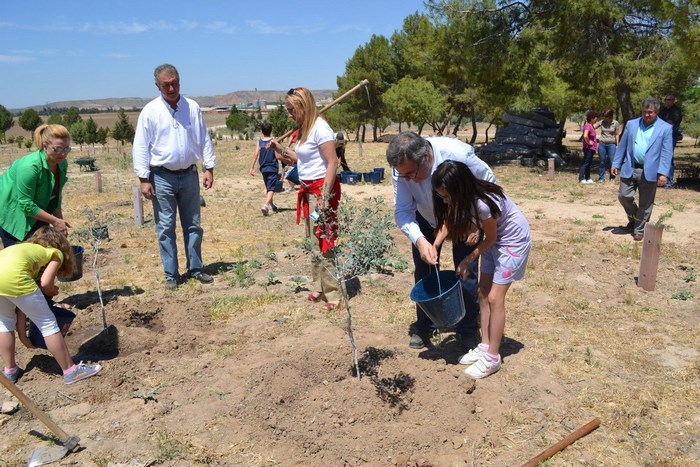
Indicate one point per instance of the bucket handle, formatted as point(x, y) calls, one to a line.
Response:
point(437, 273)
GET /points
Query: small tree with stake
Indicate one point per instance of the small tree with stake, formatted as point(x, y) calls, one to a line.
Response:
point(362, 246)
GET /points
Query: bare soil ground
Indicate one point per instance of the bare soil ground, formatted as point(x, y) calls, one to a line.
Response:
point(247, 372)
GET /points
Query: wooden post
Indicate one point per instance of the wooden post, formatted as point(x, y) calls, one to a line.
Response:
point(550, 161)
point(138, 205)
point(359, 149)
point(98, 181)
point(651, 251)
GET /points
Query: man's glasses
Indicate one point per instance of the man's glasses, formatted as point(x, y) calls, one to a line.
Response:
point(61, 149)
point(168, 85)
point(410, 175)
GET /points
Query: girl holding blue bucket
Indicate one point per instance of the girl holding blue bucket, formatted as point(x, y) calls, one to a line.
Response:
point(463, 204)
point(46, 249)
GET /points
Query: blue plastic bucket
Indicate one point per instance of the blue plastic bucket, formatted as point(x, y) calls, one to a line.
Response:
point(444, 306)
point(351, 178)
point(64, 318)
point(78, 272)
point(342, 176)
point(376, 178)
point(293, 175)
point(367, 176)
point(381, 171)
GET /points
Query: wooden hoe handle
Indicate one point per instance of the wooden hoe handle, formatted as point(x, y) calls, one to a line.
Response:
point(547, 453)
point(68, 441)
point(362, 83)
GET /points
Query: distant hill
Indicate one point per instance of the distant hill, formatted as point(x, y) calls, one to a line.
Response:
point(323, 96)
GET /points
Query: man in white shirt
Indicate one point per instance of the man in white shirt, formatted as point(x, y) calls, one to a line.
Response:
point(171, 138)
point(413, 160)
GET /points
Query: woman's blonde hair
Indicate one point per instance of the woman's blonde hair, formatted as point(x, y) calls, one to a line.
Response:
point(46, 132)
point(47, 236)
point(301, 98)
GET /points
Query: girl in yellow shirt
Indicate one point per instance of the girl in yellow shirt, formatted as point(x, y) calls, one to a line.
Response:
point(22, 263)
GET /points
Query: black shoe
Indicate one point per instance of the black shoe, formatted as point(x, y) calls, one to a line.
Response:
point(416, 341)
point(630, 226)
point(14, 377)
point(202, 277)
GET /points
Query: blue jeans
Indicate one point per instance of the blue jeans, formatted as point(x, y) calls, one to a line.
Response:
point(584, 172)
point(606, 152)
point(177, 191)
point(470, 323)
point(7, 239)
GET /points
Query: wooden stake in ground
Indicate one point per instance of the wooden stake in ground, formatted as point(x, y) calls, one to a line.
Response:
point(561, 445)
point(651, 251)
point(98, 181)
point(138, 205)
point(550, 161)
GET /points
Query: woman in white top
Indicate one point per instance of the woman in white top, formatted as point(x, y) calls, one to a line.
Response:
point(317, 165)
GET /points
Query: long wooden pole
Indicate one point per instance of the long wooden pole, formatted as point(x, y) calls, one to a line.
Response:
point(69, 442)
point(362, 83)
point(547, 453)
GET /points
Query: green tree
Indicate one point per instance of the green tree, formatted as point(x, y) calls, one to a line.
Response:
point(459, 69)
point(7, 121)
point(624, 48)
point(102, 135)
point(55, 118)
point(280, 121)
point(236, 121)
point(416, 101)
point(372, 61)
point(123, 129)
point(71, 116)
point(253, 125)
point(29, 120)
point(78, 133)
point(90, 132)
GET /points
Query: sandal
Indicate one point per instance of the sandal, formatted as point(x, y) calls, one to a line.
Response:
point(330, 306)
point(314, 296)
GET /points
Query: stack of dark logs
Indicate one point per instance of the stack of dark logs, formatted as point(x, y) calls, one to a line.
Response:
point(527, 137)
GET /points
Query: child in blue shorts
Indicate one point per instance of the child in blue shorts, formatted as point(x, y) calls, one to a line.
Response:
point(269, 167)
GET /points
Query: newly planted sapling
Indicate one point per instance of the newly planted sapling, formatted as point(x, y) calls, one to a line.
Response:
point(362, 246)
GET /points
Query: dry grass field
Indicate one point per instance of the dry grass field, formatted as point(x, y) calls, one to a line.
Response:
point(247, 372)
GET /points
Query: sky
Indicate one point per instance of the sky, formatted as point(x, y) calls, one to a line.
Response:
point(78, 49)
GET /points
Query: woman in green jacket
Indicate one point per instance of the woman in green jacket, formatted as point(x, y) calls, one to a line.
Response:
point(31, 188)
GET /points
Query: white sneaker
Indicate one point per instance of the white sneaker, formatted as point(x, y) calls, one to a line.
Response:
point(472, 356)
point(483, 367)
point(265, 209)
point(589, 181)
point(583, 182)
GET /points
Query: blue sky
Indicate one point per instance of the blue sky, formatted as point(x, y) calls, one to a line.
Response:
point(76, 49)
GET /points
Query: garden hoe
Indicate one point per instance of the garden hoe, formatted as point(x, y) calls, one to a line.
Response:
point(42, 456)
